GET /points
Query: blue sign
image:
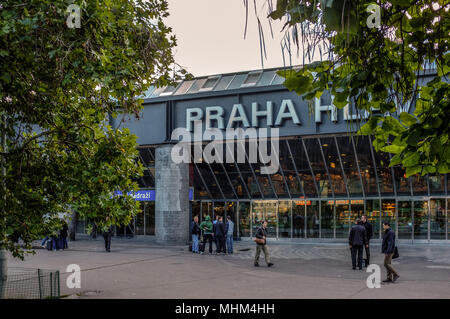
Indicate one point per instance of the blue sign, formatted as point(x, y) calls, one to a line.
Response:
point(149, 195)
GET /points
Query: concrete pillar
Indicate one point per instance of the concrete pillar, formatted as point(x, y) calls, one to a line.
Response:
point(172, 198)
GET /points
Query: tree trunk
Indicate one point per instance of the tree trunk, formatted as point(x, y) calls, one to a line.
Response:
point(3, 252)
point(3, 271)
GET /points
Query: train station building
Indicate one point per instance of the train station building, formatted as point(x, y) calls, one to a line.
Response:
point(324, 178)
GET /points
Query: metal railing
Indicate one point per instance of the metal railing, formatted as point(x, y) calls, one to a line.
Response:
point(25, 283)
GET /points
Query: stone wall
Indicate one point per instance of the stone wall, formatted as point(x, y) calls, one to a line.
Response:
point(172, 198)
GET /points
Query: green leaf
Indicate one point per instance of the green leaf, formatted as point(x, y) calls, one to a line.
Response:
point(411, 159)
point(394, 149)
point(395, 160)
point(407, 119)
point(442, 168)
point(370, 126)
point(428, 169)
point(413, 170)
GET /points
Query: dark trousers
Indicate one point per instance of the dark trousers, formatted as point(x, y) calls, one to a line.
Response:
point(207, 237)
point(357, 249)
point(107, 236)
point(62, 242)
point(220, 241)
point(388, 265)
point(367, 255)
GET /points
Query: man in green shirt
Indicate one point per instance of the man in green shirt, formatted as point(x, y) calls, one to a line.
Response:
point(207, 227)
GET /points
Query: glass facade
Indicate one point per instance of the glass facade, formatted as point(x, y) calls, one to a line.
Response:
point(324, 183)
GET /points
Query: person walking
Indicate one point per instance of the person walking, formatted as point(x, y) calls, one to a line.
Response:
point(220, 234)
point(94, 230)
point(64, 232)
point(369, 233)
point(229, 231)
point(195, 230)
point(207, 227)
point(261, 245)
point(357, 239)
point(44, 241)
point(388, 248)
point(107, 234)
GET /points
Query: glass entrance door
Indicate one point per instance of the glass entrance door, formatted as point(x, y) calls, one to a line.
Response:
point(265, 210)
point(244, 219)
point(231, 210)
point(437, 219)
point(421, 219)
point(404, 220)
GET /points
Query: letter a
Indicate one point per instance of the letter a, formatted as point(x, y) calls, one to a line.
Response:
point(73, 280)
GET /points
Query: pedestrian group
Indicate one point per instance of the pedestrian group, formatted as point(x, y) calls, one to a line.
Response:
point(359, 238)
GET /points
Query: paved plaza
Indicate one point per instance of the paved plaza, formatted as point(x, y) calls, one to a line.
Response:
point(141, 268)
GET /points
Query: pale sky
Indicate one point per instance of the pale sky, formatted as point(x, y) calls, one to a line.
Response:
point(211, 40)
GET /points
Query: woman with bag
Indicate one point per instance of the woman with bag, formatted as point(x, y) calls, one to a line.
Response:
point(261, 244)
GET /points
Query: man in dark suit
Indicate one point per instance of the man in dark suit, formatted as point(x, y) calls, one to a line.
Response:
point(388, 249)
point(357, 239)
point(369, 232)
point(219, 234)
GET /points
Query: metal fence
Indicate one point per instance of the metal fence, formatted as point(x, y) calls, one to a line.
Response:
point(24, 283)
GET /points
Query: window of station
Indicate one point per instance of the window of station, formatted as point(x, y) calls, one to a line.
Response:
point(298, 218)
point(373, 216)
point(388, 211)
point(209, 180)
point(312, 219)
point(200, 189)
point(222, 178)
point(420, 219)
point(405, 226)
point(347, 153)
point(401, 181)
point(420, 185)
point(384, 173)
point(303, 168)
point(437, 184)
point(437, 219)
point(363, 151)
point(318, 166)
point(244, 219)
point(327, 219)
point(286, 162)
point(236, 181)
point(334, 165)
point(250, 180)
point(343, 218)
point(284, 219)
